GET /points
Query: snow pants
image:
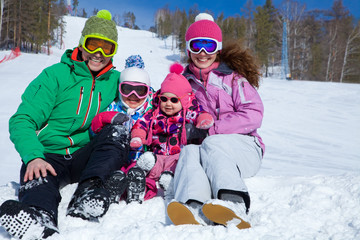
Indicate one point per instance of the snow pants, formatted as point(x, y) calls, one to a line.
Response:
point(221, 162)
point(163, 163)
point(108, 151)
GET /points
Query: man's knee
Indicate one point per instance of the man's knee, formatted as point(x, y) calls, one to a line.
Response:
point(113, 134)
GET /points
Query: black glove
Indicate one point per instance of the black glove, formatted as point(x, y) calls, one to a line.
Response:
point(119, 119)
point(195, 135)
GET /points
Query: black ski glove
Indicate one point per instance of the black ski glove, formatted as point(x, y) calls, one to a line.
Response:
point(119, 119)
point(195, 135)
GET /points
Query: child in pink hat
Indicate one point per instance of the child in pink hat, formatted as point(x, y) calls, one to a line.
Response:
point(163, 128)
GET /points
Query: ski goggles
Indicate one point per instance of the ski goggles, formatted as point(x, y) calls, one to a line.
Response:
point(172, 99)
point(93, 44)
point(141, 90)
point(209, 45)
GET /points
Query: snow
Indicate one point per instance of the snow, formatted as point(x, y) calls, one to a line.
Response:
point(309, 183)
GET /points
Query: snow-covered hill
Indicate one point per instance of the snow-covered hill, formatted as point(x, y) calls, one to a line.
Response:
point(309, 184)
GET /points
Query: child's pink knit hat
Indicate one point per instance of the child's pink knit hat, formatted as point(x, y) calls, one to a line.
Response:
point(204, 26)
point(176, 83)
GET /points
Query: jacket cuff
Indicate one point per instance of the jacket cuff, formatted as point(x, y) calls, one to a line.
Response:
point(27, 158)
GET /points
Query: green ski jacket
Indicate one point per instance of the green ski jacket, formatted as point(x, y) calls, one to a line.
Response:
point(57, 107)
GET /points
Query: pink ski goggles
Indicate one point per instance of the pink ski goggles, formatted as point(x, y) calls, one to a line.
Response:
point(140, 90)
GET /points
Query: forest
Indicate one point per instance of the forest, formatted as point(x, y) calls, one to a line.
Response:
point(322, 45)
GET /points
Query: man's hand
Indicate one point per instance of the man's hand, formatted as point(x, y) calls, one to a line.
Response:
point(36, 167)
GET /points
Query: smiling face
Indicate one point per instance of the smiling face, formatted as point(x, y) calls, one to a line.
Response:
point(168, 107)
point(96, 61)
point(203, 60)
point(133, 101)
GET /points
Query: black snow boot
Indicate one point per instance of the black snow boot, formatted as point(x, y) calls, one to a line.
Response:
point(136, 185)
point(24, 222)
point(90, 201)
point(116, 184)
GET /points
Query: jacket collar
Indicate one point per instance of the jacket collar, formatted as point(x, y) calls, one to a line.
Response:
point(74, 60)
point(221, 69)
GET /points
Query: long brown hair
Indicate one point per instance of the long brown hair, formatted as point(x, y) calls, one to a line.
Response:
point(241, 61)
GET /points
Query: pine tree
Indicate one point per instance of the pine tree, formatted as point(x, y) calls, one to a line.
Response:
point(263, 36)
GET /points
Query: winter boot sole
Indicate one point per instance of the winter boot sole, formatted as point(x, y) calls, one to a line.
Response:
point(136, 185)
point(20, 221)
point(116, 184)
point(222, 215)
point(179, 214)
point(91, 205)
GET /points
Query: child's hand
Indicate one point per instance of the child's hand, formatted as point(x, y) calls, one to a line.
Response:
point(119, 119)
point(135, 142)
point(105, 118)
point(205, 121)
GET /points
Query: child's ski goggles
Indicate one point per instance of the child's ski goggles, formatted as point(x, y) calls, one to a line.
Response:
point(141, 90)
point(209, 45)
point(93, 43)
point(172, 99)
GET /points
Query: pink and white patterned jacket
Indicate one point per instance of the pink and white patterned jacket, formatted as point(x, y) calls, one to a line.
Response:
point(167, 130)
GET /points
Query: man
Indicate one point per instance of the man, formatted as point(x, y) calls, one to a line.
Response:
point(50, 132)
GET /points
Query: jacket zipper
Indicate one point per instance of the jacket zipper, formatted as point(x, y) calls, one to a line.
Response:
point(89, 105)
point(205, 90)
point(99, 103)
point(80, 100)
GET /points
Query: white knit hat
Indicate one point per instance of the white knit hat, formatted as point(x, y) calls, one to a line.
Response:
point(135, 74)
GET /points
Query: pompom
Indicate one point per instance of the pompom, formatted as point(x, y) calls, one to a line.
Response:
point(176, 68)
point(105, 14)
point(166, 179)
point(134, 61)
point(204, 16)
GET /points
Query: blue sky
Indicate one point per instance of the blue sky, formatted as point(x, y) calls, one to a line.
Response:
point(144, 10)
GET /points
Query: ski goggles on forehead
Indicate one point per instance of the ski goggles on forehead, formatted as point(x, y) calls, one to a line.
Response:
point(141, 90)
point(209, 45)
point(93, 44)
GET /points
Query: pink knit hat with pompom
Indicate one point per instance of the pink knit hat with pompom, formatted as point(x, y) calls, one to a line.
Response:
point(175, 82)
point(204, 27)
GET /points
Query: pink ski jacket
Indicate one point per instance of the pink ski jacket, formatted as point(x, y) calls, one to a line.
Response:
point(234, 104)
point(167, 130)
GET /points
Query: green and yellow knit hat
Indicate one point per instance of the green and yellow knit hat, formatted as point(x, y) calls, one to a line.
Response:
point(100, 25)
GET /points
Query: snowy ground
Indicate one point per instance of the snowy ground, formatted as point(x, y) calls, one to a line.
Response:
point(309, 184)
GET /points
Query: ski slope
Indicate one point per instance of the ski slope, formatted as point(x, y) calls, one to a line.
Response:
point(309, 183)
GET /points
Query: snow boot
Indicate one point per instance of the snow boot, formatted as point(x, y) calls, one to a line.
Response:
point(225, 213)
point(116, 184)
point(180, 214)
point(26, 223)
point(136, 185)
point(235, 196)
point(90, 200)
point(146, 161)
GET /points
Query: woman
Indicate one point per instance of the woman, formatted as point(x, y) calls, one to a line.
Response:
point(209, 177)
